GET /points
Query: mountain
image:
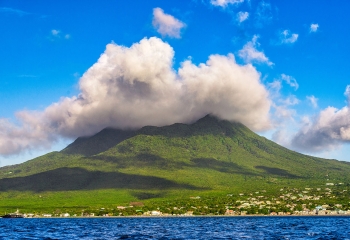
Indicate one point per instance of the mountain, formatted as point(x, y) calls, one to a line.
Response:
point(210, 156)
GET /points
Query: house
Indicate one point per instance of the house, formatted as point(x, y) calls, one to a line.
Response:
point(189, 213)
point(229, 212)
point(322, 212)
point(156, 213)
point(243, 213)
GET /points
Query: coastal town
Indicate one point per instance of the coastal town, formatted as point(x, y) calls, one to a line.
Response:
point(332, 199)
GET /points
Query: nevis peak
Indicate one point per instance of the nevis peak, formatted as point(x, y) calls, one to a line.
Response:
point(209, 156)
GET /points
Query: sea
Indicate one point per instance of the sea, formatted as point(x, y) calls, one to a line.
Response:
point(177, 228)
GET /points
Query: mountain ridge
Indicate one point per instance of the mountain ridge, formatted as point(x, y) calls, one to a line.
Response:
point(115, 136)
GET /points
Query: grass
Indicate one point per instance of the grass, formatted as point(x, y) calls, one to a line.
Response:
point(49, 202)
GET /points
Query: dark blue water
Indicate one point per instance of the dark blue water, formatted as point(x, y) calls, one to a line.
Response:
point(178, 228)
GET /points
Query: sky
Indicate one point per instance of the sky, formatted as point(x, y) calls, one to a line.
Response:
point(72, 68)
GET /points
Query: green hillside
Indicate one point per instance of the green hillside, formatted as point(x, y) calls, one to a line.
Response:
point(209, 157)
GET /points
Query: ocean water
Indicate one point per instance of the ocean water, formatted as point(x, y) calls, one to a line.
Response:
point(178, 228)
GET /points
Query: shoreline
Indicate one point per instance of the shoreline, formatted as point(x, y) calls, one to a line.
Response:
point(195, 216)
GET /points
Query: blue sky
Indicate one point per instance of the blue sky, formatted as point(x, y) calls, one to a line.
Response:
point(70, 69)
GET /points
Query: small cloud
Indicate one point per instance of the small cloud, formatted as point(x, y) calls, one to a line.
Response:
point(225, 3)
point(13, 11)
point(283, 112)
point(291, 81)
point(55, 32)
point(76, 75)
point(165, 24)
point(282, 137)
point(314, 27)
point(275, 86)
point(249, 53)
point(291, 101)
point(27, 76)
point(58, 34)
point(347, 94)
point(242, 16)
point(263, 14)
point(282, 108)
point(288, 38)
point(313, 101)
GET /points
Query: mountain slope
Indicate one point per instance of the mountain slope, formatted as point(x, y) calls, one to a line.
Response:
point(209, 155)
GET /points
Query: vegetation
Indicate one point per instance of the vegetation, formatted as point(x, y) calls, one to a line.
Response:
point(209, 158)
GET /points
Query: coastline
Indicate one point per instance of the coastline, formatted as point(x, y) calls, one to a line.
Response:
point(195, 216)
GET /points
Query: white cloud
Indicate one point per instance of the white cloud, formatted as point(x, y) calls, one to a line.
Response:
point(275, 86)
point(313, 100)
point(282, 110)
point(314, 27)
point(249, 53)
point(291, 81)
point(287, 37)
point(283, 113)
point(263, 14)
point(282, 106)
point(55, 32)
point(14, 11)
point(166, 24)
point(291, 100)
point(225, 3)
point(326, 131)
point(76, 74)
point(137, 86)
point(242, 16)
point(282, 137)
point(27, 76)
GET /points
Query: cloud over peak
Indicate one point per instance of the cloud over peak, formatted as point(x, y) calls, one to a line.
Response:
point(166, 25)
point(130, 87)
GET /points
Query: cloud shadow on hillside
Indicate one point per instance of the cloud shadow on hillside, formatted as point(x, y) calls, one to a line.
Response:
point(277, 171)
point(225, 167)
point(69, 179)
point(143, 160)
point(154, 161)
